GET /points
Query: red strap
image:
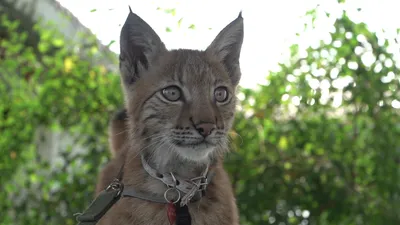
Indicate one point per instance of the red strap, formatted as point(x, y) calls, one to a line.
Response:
point(171, 213)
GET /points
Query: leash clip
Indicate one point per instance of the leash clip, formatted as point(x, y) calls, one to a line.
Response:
point(116, 185)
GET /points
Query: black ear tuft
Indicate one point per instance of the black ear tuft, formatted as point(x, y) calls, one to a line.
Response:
point(227, 47)
point(139, 47)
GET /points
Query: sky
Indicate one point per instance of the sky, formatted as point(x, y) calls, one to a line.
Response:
point(270, 26)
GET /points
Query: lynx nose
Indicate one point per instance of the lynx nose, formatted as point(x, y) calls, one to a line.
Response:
point(205, 129)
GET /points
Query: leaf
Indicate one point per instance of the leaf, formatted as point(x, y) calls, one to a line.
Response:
point(179, 22)
point(111, 42)
point(58, 42)
point(283, 143)
point(68, 65)
point(171, 11)
point(43, 47)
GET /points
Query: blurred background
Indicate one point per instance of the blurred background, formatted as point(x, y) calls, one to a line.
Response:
point(317, 133)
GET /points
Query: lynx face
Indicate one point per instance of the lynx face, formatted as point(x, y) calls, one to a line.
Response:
point(180, 100)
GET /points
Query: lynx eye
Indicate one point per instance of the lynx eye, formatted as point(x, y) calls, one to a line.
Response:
point(221, 94)
point(172, 93)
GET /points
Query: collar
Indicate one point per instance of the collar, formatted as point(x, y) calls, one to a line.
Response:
point(186, 189)
point(108, 197)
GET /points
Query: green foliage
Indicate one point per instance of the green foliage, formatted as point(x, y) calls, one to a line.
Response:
point(301, 155)
point(63, 91)
point(320, 142)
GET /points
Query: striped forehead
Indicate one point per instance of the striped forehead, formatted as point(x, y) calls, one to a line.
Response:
point(192, 69)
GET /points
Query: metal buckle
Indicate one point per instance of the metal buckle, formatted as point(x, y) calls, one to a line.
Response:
point(116, 185)
point(203, 185)
point(203, 182)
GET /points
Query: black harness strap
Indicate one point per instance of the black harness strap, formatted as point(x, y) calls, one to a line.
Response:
point(103, 202)
point(182, 215)
point(99, 207)
point(131, 192)
point(121, 172)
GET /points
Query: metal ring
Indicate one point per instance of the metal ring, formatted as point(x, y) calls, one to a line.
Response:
point(177, 200)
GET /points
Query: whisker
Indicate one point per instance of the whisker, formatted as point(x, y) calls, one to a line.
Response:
point(157, 140)
point(121, 132)
point(160, 144)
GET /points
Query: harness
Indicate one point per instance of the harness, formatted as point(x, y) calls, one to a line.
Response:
point(187, 191)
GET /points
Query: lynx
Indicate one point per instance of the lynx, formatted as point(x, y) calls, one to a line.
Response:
point(169, 141)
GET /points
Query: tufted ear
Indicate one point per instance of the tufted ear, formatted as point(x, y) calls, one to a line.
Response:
point(227, 46)
point(139, 47)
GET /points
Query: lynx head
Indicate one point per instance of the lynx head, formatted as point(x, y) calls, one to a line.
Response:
point(180, 100)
